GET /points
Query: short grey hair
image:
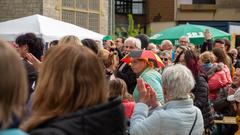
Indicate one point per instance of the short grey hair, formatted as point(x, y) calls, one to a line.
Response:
point(135, 41)
point(179, 81)
point(186, 37)
point(166, 42)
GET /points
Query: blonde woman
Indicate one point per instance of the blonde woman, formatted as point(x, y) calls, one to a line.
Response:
point(70, 40)
point(71, 97)
point(109, 61)
point(13, 90)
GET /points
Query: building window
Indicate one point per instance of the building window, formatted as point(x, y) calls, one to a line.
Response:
point(204, 2)
point(68, 16)
point(94, 21)
point(197, 1)
point(129, 6)
point(84, 13)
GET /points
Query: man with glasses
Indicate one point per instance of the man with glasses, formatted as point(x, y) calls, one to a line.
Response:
point(184, 41)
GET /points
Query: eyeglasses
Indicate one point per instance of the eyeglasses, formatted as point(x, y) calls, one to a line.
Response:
point(183, 41)
point(164, 59)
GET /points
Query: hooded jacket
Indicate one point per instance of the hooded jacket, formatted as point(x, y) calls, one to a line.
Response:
point(218, 77)
point(104, 119)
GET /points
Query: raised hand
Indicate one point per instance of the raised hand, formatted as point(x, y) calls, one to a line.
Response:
point(34, 61)
point(144, 94)
point(153, 102)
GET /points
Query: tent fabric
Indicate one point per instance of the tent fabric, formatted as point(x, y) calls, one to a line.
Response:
point(47, 28)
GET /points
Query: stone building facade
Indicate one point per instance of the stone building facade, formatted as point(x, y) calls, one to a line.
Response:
point(90, 14)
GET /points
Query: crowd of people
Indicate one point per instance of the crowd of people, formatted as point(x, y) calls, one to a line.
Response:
point(73, 86)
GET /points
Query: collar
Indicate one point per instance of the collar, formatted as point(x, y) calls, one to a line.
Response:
point(185, 103)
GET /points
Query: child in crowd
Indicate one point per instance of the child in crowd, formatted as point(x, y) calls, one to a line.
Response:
point(118, 87)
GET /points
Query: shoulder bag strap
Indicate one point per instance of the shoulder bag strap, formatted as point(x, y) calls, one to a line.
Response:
point(193, 123)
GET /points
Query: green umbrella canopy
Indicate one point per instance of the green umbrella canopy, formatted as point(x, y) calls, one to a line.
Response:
point(194, 32)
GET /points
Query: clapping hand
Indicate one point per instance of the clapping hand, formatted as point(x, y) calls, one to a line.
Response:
point(146, 94)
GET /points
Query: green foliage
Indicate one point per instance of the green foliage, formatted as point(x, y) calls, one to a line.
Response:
point(132, 31)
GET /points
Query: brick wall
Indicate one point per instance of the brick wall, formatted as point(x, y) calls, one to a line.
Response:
point(160, 10)
point(12, 9)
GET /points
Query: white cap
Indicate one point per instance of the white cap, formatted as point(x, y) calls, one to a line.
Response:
point(235, 97)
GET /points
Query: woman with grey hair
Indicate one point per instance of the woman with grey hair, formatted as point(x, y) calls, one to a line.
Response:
point(178, 116)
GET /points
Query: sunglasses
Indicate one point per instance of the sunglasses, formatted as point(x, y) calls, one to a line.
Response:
point(164, 59)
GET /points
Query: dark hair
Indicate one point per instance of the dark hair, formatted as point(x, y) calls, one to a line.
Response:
point(231, 57)
point(218, 41)
point(91, 44)
point(144, 40)
point(192, 63)
point(53, 43)
point(123, 39)
point(220, 55)
point(35, 44)
point(227, 44)
point(183, 48)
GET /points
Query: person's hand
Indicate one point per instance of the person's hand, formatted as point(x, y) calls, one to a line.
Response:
point(207, 35)
point(33, 61)
point(153, 102)
point(144, 94)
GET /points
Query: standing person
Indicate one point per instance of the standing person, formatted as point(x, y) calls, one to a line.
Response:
point(118, 87)
point(109, 61)
point(153, 48)
point(119, 42)
point(200, 89)
point(29, 43)
point(207, 44)
point(167, 45)
point(184, 41)
point(53, 43)
point(179, 50)
point(144, 40)
point(124, 70)
point(91, 44)
point(166, 59)
point(13, 90)
point(178, 116)
point(71, 96)
point(145, 69)
point(220, 79)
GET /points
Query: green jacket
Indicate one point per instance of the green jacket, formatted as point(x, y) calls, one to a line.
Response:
point(153, 78)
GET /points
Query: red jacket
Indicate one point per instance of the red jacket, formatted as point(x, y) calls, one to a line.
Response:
point(219, 79)
point(129, 107)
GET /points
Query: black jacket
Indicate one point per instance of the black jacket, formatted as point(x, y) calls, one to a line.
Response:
point(31, 76)
point(105, 119)
point(125, 72)
point(200, 92)
point(207, 46)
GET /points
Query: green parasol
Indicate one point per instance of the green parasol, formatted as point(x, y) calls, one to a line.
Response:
point(194, 32)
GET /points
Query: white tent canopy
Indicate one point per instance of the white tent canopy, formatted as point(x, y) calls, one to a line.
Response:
point(47, 28)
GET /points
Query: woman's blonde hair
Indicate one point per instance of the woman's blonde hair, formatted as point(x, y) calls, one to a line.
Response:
point(117, 87)
point(107, 58)
point(71, 78)
point(70, 40)
point(207, 57)
point(13, 85)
